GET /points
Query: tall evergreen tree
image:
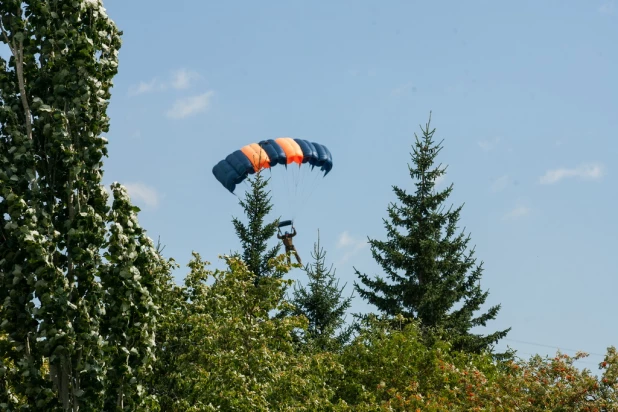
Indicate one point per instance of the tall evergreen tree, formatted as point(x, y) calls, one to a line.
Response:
point(255, 234)
point(323, 304)
point(430, 273)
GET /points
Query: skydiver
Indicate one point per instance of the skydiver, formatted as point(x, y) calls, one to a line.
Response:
point(289, 246)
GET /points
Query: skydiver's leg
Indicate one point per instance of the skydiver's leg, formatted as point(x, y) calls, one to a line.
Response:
point(297, 257)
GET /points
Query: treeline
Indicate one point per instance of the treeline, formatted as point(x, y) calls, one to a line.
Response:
point(91, 319)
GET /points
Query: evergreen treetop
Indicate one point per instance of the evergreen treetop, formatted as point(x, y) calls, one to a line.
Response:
point(322, 303)
point(430, 274)
point(255, 234)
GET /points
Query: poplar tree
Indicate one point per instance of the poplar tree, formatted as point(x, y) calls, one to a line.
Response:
point(256, 232)
point(78, 327)
point(429, 272)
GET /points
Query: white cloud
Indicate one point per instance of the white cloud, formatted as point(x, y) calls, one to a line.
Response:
point(500, 183)
point(584, 171)
point(609, 7)
point(345, 240)
point(519, 211)
point(182, 78)
point(488, 145)
point(188, 106)
point(358, 72)
point(439, 179)
point(402, 89)
point(350, 244)
point(146, 87)
point(141, 193)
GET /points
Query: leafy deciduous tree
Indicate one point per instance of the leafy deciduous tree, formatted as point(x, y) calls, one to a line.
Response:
point(54, 93)
point(132, 283)
point(224, 351)
point(396, 369)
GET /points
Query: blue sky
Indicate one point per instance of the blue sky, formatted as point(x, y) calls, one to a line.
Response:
point(524, 94)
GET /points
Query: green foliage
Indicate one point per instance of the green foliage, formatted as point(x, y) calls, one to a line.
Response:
point(90, 318)
point(383, 356)
point(322, 303)
point(57, 315)
point(221, 349)
point(255, 234)
point(133, 281)
point(430, 274)
point(397, 369)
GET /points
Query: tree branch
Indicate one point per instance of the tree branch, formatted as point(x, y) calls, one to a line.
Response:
point(18, 52)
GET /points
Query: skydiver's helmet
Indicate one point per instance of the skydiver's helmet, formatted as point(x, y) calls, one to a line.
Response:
point(287, 233)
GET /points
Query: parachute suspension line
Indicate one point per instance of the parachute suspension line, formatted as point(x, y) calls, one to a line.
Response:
point(303, 198)
point(296, 174)
point(314, 184)
point(280, 192)
point(307, 195)
point(288, 182)
point(272, 193)
point(296, 199)
point(289, 187)
point(304, 173)
point(267, 153)
point(302, 190)
point(275, 207)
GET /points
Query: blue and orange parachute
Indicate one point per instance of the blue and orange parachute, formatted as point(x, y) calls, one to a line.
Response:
point(268, 153)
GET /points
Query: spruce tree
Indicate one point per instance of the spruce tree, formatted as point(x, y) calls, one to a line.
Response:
point(255, 234)
point(430, 275)
point(323, 304)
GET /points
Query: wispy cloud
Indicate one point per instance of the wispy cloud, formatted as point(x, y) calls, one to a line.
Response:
point(182, 78)
point(358, 72)
point(403, 88)
point(188, 106)
point(609, 7)
point(439, 180)
point(350, 246)
point(500, 183)
point(517, 212)
point(142, 193)
point(585, 171)
point(345, 240)
point(488, 145)
point(146, 87)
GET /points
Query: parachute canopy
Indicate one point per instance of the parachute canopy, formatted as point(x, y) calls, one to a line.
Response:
point(268, 153)
point(285, 223)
